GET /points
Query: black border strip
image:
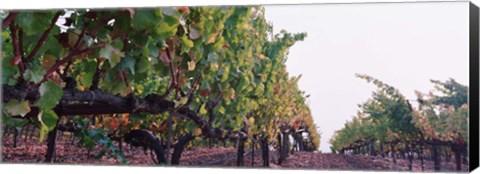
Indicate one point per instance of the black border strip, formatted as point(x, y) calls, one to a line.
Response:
point(474, 87)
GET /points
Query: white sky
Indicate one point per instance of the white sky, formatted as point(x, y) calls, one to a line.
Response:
point(404, 45)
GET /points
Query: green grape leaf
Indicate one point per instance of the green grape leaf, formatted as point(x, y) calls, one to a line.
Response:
point(9, 72)
point(43, 131)
point(210, 34)
point(127, 63)
point(86, 69)
point(238, 123)
point(164, 30)
point(119, 87)
point(34, 22)
point(182, 101)
point(35, 74)
point(259, 90)
point(86, 78)
point(251, 120)
point(143, 19)
point(186, 44)
point(48, 118)
point(50, 94)
point(203, 111)
point(142, 65)
point(112, 54)
point(15, 122)
point(170, 11)
point(15, 107)
point(226, 71)
point(221, 109)
point(123, 22)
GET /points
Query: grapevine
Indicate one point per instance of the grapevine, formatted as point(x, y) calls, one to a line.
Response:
point(156, 78)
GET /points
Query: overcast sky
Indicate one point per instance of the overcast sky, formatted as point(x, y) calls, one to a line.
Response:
point(402, 44)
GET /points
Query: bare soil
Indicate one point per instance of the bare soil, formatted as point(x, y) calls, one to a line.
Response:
point(32, 151)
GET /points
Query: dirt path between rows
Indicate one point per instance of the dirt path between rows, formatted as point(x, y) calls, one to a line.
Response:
point(32, 152)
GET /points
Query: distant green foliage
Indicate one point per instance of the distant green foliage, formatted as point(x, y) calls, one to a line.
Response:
point(388, 116)
point(445, 116)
